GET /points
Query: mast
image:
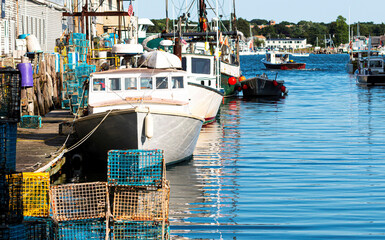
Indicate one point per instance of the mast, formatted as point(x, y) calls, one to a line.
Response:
point(217, 48)
point(167, 19)
point(202, 16)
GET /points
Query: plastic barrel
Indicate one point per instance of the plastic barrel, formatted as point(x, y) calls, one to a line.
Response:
point(33, 44)
point(26, 74)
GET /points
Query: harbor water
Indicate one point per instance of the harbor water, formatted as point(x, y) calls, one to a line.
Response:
point(308, 166)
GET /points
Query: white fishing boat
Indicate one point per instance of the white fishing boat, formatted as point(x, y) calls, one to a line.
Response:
point(139, 108)
point(371, 71)
point(203, 84)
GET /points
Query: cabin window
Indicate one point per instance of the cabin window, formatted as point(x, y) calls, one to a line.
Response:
point(115, 84)
point(161, 83)
point(130, 83)
point(146, 83)
point(375, 64)
point(200, 65)
point(177, 82)
point(184, 65)
point(99, 84)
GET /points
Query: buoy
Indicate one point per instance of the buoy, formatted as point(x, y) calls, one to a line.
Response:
point(242, 78)
point(283, 89)
point(275, 83)
point(244, 87)
point(149, 125)
point(232, 80)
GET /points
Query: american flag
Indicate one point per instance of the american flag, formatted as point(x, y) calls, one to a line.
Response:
point(183, 41)
point(130, 10)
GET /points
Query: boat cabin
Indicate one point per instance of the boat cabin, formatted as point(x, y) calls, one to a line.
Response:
point(200, 69)
point(137, 84)
point(373, 65)
point(277, 58)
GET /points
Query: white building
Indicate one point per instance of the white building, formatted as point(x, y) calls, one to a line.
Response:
point(286, 43)
point(8, 20)
point(43, 19)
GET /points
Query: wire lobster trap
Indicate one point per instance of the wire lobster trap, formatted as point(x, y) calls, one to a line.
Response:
point(13, 232)
point(78, 201)
point(11, 210)
point(145, 230)
point(81, 229)
point(36, 194)
point(8, 137)
point(10, 88)
point(37, 228)
point(137, 204)
point(136, 168)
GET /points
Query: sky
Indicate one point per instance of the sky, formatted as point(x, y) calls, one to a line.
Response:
point(278, 10)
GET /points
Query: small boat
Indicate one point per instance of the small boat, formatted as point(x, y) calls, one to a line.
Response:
point(371, 71)
point(262, 86)
point(276, 60)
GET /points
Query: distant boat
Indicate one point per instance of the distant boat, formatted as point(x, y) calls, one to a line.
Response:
point(277, 60)
point(371, 71)
point(300, 54)
point(262, 86)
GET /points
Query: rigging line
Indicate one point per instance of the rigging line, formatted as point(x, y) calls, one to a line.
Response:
point(99, 6)
point(81, 141)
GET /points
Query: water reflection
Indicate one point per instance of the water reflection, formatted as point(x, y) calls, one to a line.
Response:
point(204, 190)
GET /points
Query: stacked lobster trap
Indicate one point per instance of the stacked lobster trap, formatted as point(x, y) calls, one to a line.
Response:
point(133, 204)
point(140, 194)
point(11, 205)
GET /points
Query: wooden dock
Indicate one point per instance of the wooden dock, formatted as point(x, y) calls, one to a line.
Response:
point(35, 146)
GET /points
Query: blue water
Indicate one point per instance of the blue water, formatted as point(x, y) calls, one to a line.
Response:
point(309, 166)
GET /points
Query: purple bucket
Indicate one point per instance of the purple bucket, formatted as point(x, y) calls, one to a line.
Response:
point(26, 74)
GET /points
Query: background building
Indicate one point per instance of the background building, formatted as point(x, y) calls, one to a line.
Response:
point(286, 43)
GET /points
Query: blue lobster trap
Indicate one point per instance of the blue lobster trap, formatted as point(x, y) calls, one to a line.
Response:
point(38, 228)
point(136, 168)
point(8, 137)
point(81, 229)
point(28, 121)
point(149, 230)
point(13, 232)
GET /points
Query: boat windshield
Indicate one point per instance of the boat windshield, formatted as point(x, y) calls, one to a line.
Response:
point(146, 83)
point(200, 65)
point(177, 82)
point(99, 84)
point(130, 83)
point(114, 84)
point(375, 64)
point(161, 83)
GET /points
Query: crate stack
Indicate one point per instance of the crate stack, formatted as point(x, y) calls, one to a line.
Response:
point(79, 210)
point(11, 204)
point(75, 91)
point(37, 223)
point(140, 194)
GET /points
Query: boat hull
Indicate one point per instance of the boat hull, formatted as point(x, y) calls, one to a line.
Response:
point(376, 79)
point(262, 87)
point(285, 66)
point(204, 101)
point(227, 71)
point(176, 134)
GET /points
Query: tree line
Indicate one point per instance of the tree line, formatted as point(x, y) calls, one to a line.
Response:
point(337, 31)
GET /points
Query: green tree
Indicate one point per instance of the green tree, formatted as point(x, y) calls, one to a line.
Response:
point(340, 30)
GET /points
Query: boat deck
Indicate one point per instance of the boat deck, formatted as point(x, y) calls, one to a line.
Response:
point(34, 146)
